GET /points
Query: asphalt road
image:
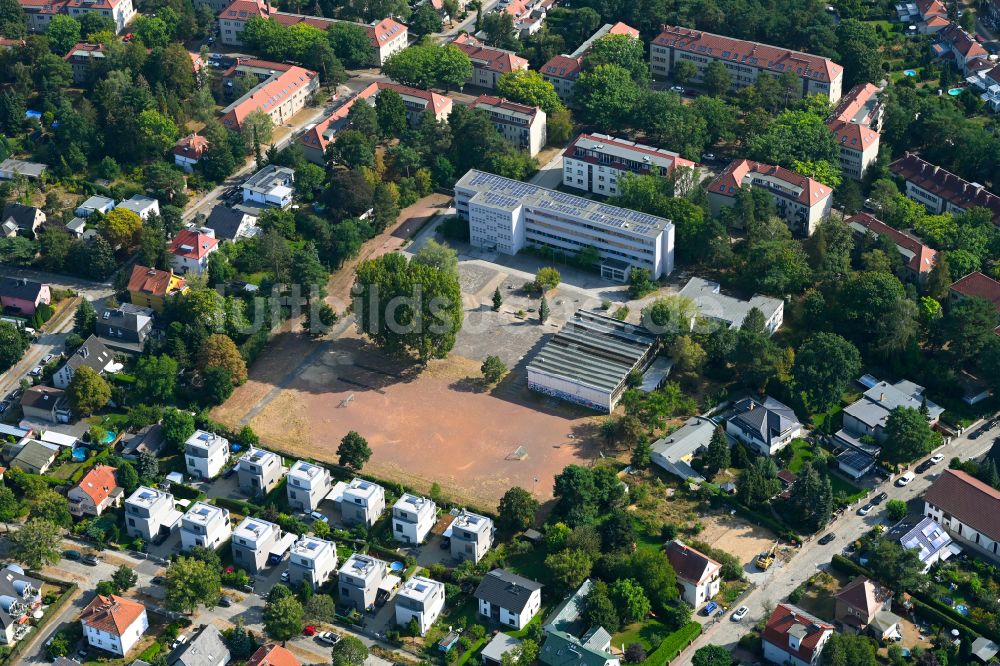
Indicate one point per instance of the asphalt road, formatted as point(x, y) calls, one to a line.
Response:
point(778, 582)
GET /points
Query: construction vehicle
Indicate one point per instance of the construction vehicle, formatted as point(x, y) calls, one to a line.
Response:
point(766, 559)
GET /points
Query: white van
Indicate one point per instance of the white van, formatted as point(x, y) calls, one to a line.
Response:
point(905, 479)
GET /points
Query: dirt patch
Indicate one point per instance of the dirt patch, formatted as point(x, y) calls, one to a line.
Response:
point(437, 426)
point(736, 536)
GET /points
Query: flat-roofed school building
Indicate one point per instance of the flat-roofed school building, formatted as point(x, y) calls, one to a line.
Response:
point(506, 215)
point(588, 362)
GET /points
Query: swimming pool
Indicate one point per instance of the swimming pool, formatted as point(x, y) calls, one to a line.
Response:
point(910, 72)
point(955, 92)
point(79, 454)
point(109, 437)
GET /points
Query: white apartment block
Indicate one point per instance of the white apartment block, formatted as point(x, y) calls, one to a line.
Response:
point(412, 518)
point(745, 61)
point(307, 485)
point(595, 162)
point(420, 599)
point(205, 525)
point(259, 471)
point(506, 215)
point(40, 12)
point(206, 454)
point(149, 513)
point(471, 536)
point(252, 543)
point(855, 123)
point(522, 125)
point(313, 560)
point(359, 580)
point(801, 202)
point(363, 502)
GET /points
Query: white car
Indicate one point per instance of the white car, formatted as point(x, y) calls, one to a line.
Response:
point(285, 576)
point(179, 641)
point(328, 637)
point(905, 479)
point(936, 458)
point(740, 613)
point(36, 371)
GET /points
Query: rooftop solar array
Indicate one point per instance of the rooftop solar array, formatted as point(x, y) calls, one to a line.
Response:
point(497, 191)
point(594, 350)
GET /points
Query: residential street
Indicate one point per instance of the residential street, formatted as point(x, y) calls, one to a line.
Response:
point(774, 585)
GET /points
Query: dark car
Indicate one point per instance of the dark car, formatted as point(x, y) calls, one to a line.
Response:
point(827, 539)
point(72, 555)
point(229, 472)
point(90, 560)
point(158, 580)
point(878, 499)
point(225, 602)
point(445, 543)
point(924, 466)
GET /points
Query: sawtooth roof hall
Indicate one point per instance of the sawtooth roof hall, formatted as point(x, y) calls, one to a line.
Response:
point(589, 360)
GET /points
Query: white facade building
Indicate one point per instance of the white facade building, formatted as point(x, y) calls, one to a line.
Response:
point(508, 599)
point(313, 560)
point(363, 502)
point(471, 536)
point(114, 624)
point(698, 575)
point(150, 512)
point(141, 205)
point(595, 162)
point(522, 125)
point(307, 485)
point(359, 580)
point(259, 471)
point(271, 186)
point(205, 525)
point(967, 509)
point(506, 215)
point(252, 542)
point(412, 518)
point(420, 599)
point(729, 311)
point(206, 454)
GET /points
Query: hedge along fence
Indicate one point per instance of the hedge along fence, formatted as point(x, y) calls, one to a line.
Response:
point(924, 603)
point(673, 645)
point(49, 613)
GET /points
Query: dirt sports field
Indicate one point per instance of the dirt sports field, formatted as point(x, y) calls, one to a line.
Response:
point(439, 426)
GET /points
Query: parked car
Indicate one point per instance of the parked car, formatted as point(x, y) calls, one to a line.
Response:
point(905, 479)
point(285, 575)
point(923, 467)
point(47, 358)
point(158, 580)
point(229, 472)
point(328, 637)
point(865, 510)
point(179, 641)
point(710, 608)
point(827, 539)
point(445, 543)
point(36, 371)
point(90, 560)
point(225, 602)
point(708, 157)
point(316, 515)
point(4, 406)
point(881, 497)
point(740, 613)
point(936, 458)
point(310, 630)
point(677, 89)
point(74, 555)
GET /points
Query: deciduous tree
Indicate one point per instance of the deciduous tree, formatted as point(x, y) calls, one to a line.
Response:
point(517, 510)
point(87, 391)
point(354, 451)
point(190, 583)
point(36, 543)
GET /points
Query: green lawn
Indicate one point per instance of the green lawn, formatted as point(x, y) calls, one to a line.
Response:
point(843, 487)
point(531, 564)
point(801, 452)
point(648, 634)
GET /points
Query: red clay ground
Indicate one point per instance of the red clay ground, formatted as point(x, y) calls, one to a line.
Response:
point(436, 427)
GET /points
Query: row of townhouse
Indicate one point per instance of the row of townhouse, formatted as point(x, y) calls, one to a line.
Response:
point(562, 71)
point(746, 61)
point(386, 36)
point(522, 125)
point(40, 12)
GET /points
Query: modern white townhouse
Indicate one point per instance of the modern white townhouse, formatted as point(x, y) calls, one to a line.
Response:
point(800, 201)
point(313, 560)
point(150, 512)
point(746, 61)
point(363, 502)
point(522, 125)
point(508, 599)
point(508, 215)
point(252, 542)
point(205, 454)
point(205, 525)
point(22, 596)
point(412, 518)
point(114, 624)
point(595, 162)
point(307, 485)
point(471, 536)
point(259, 471)
point(359, 580)
point(420, 599)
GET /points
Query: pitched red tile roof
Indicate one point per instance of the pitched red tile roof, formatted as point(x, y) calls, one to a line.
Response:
point(385, 31)
point(623, 29)
point(439, 103)
point(244, 10)
point(486, 57)
point(979, 285)
point(505, 104)
point(112, 615)
point(962, 42)
point(931, 8)
point(865, 595)
point(661, 155)
point(945, 184)
point(783, 619)
point(967, 498)
point(192, 145)
point(273, 655)
point(83, 48)
point(563, 67)
point(98, 483)
point(729, 181)
point(269, 95)
point(149, 280)
point(690, 564)
point(288, 19)
point(853, 136)
point(762, 56)
point(192, 245)
point(922, 260)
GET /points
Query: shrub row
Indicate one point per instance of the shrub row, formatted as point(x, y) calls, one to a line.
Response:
point(672, 645)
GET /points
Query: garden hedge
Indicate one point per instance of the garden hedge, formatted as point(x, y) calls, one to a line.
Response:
point(673, 645)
